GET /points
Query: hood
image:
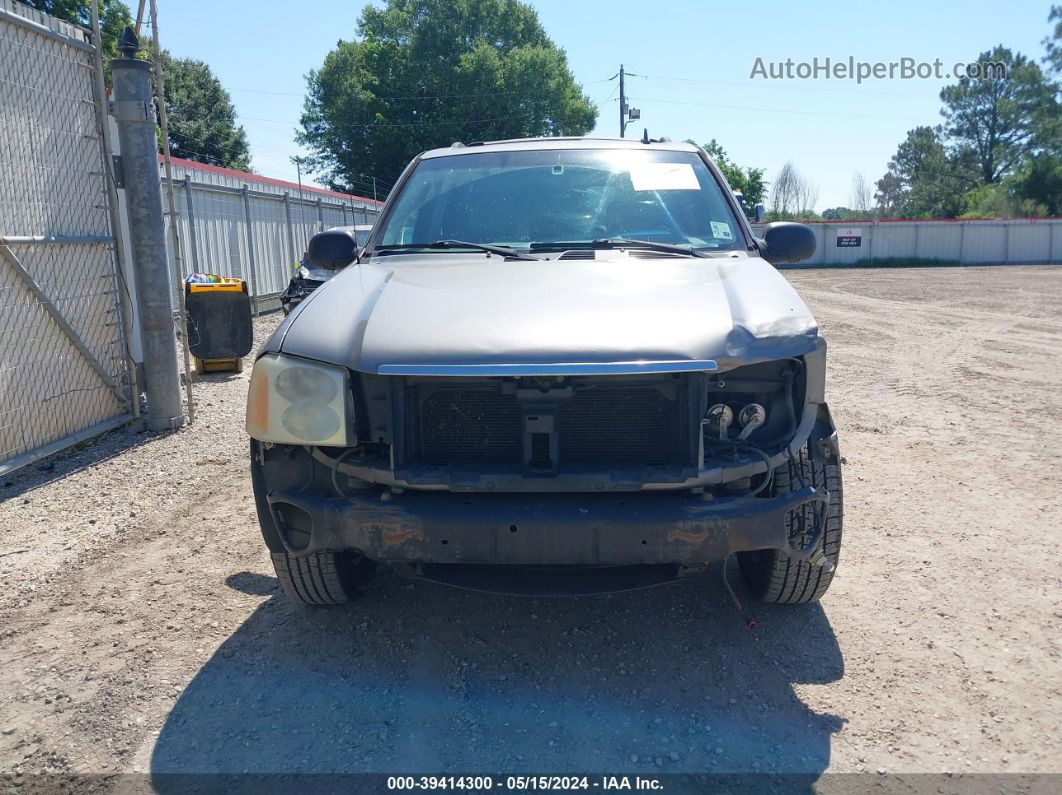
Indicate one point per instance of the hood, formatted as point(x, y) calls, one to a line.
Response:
point(458, 309)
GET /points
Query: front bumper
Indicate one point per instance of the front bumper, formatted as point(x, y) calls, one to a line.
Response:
point(298, 290)
point(532, 530)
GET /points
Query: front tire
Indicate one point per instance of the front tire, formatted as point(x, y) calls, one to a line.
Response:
point(773, 576)
point(323, 578)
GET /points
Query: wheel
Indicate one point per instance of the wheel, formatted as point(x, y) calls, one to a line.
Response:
point(770, 574)
point(323, 578)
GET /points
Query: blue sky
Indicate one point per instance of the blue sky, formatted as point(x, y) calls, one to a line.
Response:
point(695, 59)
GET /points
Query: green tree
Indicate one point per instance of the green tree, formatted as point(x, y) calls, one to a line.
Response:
point(891, 195)
point(1053, 43)
point(749, 180)
point(995, 118)
point(202, 119)
point(1040, 182)
point(114, 15)
point(424, 73)
point(923, 180)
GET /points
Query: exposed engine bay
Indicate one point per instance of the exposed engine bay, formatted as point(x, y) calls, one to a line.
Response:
point(720, 432)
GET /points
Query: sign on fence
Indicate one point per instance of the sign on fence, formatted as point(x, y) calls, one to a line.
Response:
point(849, 237)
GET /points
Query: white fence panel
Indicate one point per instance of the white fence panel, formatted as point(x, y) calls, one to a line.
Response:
point(239, 224)
point(1015, 241)
point(984, 242)
point(1028, 242)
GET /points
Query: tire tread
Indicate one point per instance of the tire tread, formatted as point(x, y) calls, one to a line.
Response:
point(315, 579)
point(772, 575)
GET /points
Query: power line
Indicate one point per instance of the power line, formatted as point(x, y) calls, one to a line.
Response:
point(362, 183)
point(407, 124)
point(788, 86)
point(407, 96)
point(776, 110)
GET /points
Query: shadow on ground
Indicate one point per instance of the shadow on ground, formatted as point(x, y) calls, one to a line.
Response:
point(83, 455)
point(423, 678)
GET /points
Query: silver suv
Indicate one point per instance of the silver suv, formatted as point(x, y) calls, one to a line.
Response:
point(558, 365)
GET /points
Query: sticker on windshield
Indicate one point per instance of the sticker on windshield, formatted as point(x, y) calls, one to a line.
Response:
point(664, 176)
point(721, 231)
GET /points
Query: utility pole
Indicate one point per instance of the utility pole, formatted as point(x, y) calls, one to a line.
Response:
point(374, 187)
point(302, 202)
point(134, 113)
point(627, 113)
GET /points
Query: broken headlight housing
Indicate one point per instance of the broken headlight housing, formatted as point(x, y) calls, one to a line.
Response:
point(298, 401)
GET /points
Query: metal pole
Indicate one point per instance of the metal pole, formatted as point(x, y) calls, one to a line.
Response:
point(623, 105)
point(178, 265)
point(374, 188)
point(125, 308)
point(302, 201)
point(291, 232)
point(320, 215)
point(139, 17)
point(250, 248)
point(193, 245)
point(136, 132)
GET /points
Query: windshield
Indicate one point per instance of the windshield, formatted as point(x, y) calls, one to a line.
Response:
point(531, 199)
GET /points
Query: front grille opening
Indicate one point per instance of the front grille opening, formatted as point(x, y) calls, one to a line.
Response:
point(459, 425)
point(576, 425)
point(621, 423)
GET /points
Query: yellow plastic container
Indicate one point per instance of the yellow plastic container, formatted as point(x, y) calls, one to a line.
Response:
point(225, 285)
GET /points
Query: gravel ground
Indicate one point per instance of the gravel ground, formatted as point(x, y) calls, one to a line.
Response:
point(141, 627)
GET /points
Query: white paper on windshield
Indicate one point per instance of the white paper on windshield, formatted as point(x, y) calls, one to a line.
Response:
point(664, 176)
point(721, 231)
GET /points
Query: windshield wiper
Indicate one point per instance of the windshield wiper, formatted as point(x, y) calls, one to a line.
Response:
point(620, 242)
point(504, 251)
point(653, 246)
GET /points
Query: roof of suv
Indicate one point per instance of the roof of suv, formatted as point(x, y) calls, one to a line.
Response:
point(531, 144)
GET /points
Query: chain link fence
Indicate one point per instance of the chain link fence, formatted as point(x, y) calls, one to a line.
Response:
point(64, 372)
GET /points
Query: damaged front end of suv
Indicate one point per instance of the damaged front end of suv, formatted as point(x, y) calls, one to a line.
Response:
point(506, 396)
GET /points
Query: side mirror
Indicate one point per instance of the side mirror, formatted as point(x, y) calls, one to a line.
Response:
point(784, 241)
point(333, 249)
point(761, 213)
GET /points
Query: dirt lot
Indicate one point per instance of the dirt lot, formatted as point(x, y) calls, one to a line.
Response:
point(141, 627)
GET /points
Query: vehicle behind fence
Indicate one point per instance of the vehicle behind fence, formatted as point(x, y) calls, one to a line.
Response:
point(64, 368)
point(255, 228)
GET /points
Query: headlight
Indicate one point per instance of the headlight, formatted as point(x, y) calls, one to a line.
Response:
point(296, 401)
